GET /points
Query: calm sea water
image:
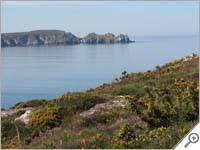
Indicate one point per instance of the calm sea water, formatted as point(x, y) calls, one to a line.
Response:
point(48, 72)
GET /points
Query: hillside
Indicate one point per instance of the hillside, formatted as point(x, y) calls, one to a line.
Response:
point(153, 109)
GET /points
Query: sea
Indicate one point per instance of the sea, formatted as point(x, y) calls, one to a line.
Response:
point(47, 72)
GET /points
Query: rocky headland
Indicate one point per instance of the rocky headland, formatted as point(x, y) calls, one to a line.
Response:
point(57, 37)
point(39, 37)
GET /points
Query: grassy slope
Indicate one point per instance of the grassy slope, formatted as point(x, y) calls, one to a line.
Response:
point(163, 106)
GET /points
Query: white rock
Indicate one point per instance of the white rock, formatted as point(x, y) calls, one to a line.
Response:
point(119, 101)
point(24, 117)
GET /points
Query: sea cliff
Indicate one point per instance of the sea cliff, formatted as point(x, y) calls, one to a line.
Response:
point(57, 37)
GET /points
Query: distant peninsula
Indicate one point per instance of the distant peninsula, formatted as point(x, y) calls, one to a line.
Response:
point(58, 37)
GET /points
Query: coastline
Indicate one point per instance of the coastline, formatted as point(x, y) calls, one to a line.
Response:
point(184, 59)
point(133, 103)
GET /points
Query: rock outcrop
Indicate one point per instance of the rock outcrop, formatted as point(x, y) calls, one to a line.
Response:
point(10, 112)
point(39, 37)
point(108, 38)
point(24, 117)
point(119, 101)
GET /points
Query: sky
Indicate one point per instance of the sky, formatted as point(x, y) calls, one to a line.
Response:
point(133, 18)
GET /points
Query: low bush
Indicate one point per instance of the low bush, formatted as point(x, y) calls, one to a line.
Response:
point(168, 104)
point(77, 102)
point(45, 118)
point(124, 137)
point(31, 103)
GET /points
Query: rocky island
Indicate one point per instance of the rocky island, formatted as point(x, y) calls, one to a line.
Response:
point(108, 38)
point(57, 37)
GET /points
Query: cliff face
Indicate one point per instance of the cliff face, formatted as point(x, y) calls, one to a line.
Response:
point(40, 37)
point(108, 38)
point(57, 37)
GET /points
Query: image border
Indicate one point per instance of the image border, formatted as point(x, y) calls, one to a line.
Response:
point(104, 1)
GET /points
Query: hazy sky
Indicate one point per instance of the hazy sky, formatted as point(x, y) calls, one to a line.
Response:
point(80, 18)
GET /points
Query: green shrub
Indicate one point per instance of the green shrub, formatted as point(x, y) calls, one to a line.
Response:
point(167, 137)
point(45, 118)
point(30, 103)
point(168, 104)
point(124, 137)
point(130, 89)
point(77, 102)
point(9, 134)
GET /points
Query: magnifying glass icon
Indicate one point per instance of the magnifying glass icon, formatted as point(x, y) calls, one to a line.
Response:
point(193, 138)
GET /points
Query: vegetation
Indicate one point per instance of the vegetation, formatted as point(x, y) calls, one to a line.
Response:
point(163, 105)
point(44, 118)
point(31, 103)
